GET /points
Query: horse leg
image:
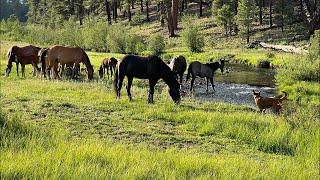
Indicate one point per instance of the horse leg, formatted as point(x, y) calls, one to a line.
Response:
point(181, 76)
point(192, 81)
point(129, 87)
point(61, 69)
point(152, 83)
point(56, 72)
point(111, 71)
point(211, 80)
point(120, 80)
point(17, 65)
point(108, 72)
point(23, 68)
point(48, 69)
point(207, 84)
point(75, 70)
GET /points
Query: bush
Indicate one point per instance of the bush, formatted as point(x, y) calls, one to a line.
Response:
point(117, 41)
point(134, 44)
point(191, 36)
point(156, 44)
point(314, 49)
point(270, 55)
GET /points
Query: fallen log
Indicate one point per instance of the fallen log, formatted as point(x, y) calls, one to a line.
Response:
point(284, 48)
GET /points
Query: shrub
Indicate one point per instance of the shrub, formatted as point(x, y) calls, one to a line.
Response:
point(270, 55)
point(134, 44)
point(156, 44)
point(191, 36)
point(117, 41)
point(314, 49)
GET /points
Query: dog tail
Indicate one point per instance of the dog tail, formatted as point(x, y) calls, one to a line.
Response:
point(285, 95)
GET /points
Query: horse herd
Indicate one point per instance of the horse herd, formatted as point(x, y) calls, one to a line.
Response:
point(54, 59)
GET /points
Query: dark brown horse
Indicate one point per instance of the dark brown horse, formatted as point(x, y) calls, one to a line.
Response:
point(151, 68)
point(204, 70)
point(23, 55)
point(51, 58)
point(178, 65)
point(108, 64)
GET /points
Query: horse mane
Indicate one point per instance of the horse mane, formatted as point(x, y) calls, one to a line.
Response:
point(86, 59)
point(213, 65)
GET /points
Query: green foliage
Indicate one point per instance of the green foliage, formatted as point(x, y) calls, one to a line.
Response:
point(134, 44)
point(11, 29)
point(314, 49)
point(192, 36)
point(156, 44)
point(225, 18)
point(246, 15)
point(117, 39)
point(270, 55)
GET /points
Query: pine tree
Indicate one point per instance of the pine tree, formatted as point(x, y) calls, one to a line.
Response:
point(225, 18)
point(246, 15)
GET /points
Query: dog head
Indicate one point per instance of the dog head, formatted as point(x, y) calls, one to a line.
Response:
point(256, 94)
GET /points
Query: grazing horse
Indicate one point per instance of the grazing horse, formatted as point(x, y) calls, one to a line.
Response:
point(23, 55)
point(108, 64)
point(178, 65)
point(204, 70)
point(51, 58)
point(151, 68)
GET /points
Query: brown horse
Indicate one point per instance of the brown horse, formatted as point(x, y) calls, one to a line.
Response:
point(178, 65)
point(108, 64)
point(204, 70)
point(23, 55)
point(65, 55)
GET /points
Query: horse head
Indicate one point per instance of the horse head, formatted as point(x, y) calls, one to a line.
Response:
point(222, 61)
point(12, 57)
point(90, 72)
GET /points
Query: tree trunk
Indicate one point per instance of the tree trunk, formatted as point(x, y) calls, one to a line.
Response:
point(132, 4)
point(80, 13)
point(72, 7)
point(260, 12)
point(141, 5)
point(270, 13)
point(248, 35)
point(182, 6)
point(200, 9)
point(282, 15)
point(186, 4)
point(147, 9)
point(174, 13)
point(170, 22)
point(108, 12)
point(129, 12)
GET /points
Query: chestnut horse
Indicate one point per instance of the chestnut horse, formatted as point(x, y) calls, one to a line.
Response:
point(151, 68)
point(204, 70)
point(23, 55)
point(178, 65)
point(108, 64)
point(65, 55)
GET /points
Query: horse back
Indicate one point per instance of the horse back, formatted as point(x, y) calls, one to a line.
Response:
point(134, 66)
point(66, 54)
point(27, 54)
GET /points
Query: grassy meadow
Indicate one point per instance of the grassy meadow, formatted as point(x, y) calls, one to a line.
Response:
point(70, 129)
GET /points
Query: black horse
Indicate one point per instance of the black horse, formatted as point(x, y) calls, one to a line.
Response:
point(178, 65)
point(204, 70)
point(151, 68)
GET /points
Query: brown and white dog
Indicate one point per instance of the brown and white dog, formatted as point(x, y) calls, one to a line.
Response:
point(263, 103)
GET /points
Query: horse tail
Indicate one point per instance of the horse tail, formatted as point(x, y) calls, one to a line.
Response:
point(43, 61)
point(115, 81)
point(189, 72)
point(285, 95)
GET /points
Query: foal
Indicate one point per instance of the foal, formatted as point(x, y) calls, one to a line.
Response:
point(204, 70)
point(107, 64)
